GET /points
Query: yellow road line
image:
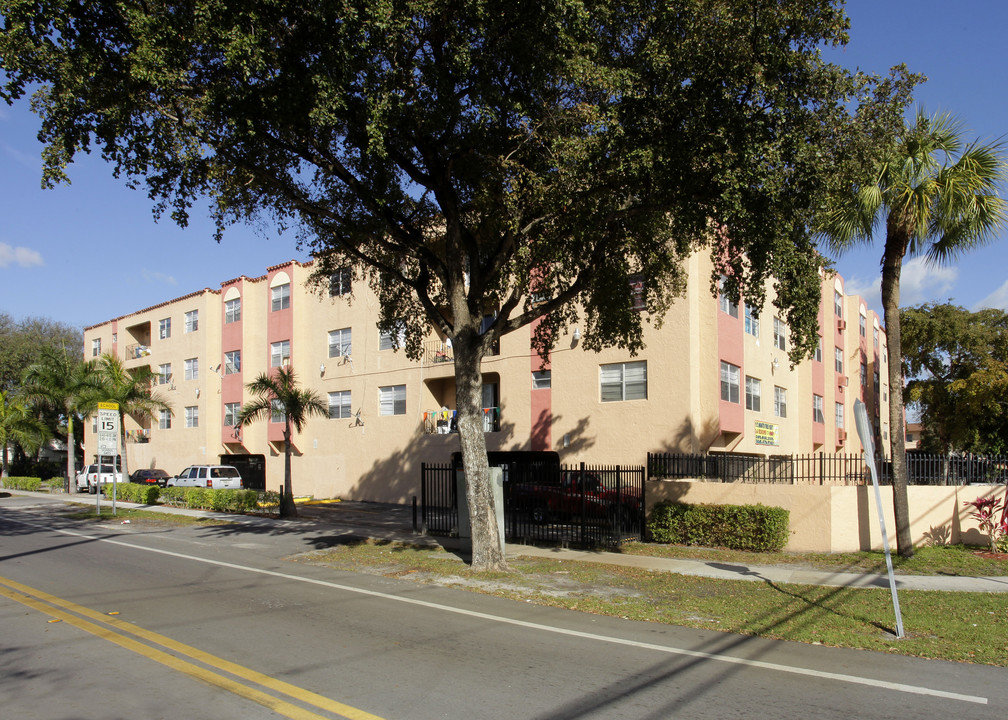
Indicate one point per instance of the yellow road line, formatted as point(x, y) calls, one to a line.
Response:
point(69, 612)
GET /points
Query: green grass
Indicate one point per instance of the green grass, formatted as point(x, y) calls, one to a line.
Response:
point(927, 560)
point(142, 518)
point(963, 627)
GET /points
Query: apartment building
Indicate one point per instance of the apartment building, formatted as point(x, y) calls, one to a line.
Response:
point(715, 377)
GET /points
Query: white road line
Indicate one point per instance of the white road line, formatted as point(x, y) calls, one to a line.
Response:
point(773, 667)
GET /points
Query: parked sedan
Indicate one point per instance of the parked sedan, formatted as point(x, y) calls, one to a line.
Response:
point(88, 478)
point(150, 476)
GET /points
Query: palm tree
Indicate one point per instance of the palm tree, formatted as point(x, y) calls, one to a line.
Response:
point(938, 198)
point(17, 425)
point(279, 394)
point(131, 389)
point(63, 382)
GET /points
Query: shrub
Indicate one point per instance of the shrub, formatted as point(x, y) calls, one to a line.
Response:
point(739, 527)
point(21, 483)
point(134, 492)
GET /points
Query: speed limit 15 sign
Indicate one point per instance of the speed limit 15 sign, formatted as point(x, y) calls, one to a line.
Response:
point(108, 428)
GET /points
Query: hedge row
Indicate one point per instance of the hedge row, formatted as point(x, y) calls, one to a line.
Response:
point(21, 483)
point(134, 492)
point(240, 501)
point(756, 528)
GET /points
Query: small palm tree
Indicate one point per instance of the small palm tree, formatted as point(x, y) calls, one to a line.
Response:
point(131, 389)
point(17, 425)
point(63, 382)
point(278, 393)
point(938, 198)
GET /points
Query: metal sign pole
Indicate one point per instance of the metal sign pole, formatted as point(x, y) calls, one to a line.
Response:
point(868, 445)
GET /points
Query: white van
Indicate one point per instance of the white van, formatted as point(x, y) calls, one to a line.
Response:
point(219, 477)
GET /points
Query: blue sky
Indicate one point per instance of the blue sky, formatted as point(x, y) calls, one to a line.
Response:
point(90, 251)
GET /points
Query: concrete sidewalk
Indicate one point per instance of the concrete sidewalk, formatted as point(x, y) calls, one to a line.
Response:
point(395, 523)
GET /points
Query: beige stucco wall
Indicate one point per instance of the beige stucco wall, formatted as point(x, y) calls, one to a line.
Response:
point(844, 518)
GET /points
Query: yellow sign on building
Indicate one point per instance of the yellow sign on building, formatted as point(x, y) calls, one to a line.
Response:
point(767, 433)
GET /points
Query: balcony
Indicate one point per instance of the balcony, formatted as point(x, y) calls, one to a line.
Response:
point(438, 352)
point(444, 422)
point(137, 351)
point(138, 436)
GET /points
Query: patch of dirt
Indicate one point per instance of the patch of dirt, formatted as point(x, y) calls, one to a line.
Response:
point(988, 555)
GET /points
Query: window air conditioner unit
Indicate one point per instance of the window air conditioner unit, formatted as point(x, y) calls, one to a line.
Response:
point(841, 324)
point(843, 381)
point(842, 436)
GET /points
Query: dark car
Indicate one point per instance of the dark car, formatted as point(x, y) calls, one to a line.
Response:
point(150, 476)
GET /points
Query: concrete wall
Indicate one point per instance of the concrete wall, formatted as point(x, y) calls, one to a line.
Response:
point(844, 518)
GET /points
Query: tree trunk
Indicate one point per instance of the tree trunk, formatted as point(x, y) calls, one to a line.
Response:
point(287, 507)
point(71, 455)
point(892, 262)
point(487, 549)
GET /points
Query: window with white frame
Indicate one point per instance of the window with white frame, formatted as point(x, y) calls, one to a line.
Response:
point(279, 353)
point(192, 416)
point(875, 337)
point(730, 382)
point(779, 334)
point(838, 359)
point(817, 409)
point(280, 296)
point(542, 379)
point(231, 411)
point(837, 303)
point(164, 374)
point(780, 402)
point(192, 321)
point(232, 362)
point(96, 347)
point(164, 419)
point(392, 339)
point(192, 369)
point(752, 393)
point(392, 400)
point(751, 320)
point(839, 411)
point(232, 311)
point(623, 381)
point(339, 404)
point(339, 342)
point(818, 350)
point(115, 338)
point(863, 326)
point(340, 282)
point(164, 328)
point(726, 304)
point(277, 414)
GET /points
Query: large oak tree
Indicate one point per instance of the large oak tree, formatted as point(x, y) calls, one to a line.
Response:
point(523, 160)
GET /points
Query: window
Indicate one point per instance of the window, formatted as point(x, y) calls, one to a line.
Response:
point(838, 408)
point(729, 382)
point(727, 306)
point(638, 298)
point(192, 321)
point(281, 297)
point(279, 353)
point(164, 419)
point(392, 400)
point(818, 349)
point(751, 320)
point(232, 311)
point(340, 282)
point(623, 381)
point(339, 404)
point(392, 339)
point(779, 334)
point(864, 375)
point(817, 409)
point(232, 362)
point(277, 414)
point(191, 416)
point(96, 347)
point(752, 394)
point(542, 379)
point(838, 359)
point(192, 369)
point(863, 326)
point(780, 402)
point(231, 411)
point(837, 303)
point(164, 328)
point(876, 381)
point(339, 342)
point(115, 338)
point(164, 374)
point(875, 337)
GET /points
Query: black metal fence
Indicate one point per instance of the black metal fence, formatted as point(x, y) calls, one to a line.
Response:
point(586, 506)
point(823, 469)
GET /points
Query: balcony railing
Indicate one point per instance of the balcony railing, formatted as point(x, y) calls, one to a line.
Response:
point(138, 436)
point(137, 350)
point(437, 351)
point(444, 422)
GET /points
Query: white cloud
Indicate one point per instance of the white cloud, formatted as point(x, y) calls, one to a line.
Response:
point(20, 256)
point(997, 299)
point(921, 283)
point(158, 277)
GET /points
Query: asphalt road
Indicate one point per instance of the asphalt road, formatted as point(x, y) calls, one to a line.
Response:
point(114, 621)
